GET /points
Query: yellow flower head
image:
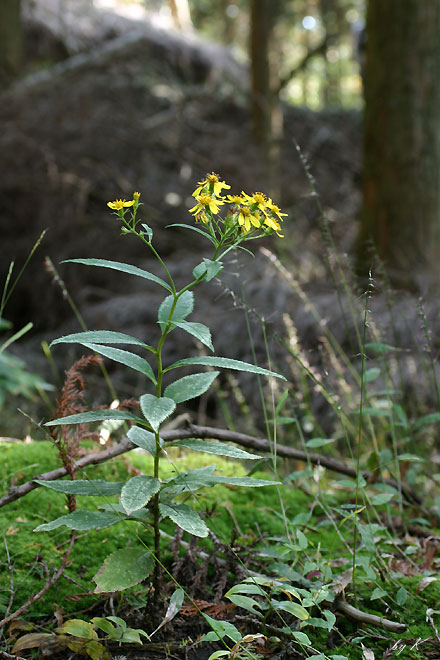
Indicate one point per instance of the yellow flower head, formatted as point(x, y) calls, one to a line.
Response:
point(260, 200)
point(205, 202)
point(274, 208)
point(235, 199)
point(246, 218)
point(119, 204)
point(213, 183)
point(136, 195)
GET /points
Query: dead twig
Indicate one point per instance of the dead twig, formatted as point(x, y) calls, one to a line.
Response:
point(365, 617)
point(194, 431)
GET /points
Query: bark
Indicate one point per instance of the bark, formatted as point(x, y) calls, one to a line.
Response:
point(401, 168)
point(10, 40)
point(267, 118)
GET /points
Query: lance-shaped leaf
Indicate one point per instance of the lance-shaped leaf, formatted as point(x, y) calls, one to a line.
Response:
point(123, 569)
point(93, 416)
point(123, 268)
point(124, 357)
point(81, 520)
point(190, 387)
point(197, 330)
point(185, 517)
point(83, 486)
point(226, 363)
point(218, 448)
point(138, 491)
point(156, 409)
point(99, 337)
point(144, 439)
point(183, 308)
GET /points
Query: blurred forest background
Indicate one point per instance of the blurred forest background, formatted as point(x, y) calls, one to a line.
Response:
point(103, 97)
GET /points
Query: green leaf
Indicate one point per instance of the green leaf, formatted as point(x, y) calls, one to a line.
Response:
point(211, 268)
point(246, 482)
point(93, 416)
point(156, 409)
point(301, 638)
point(380, 348)
point(226, 363)
point(98, 337)
point(401, 596)
point(83, 486)
point(432, 418)
point(123, 569)
point(245, 603)
point(185, 517)
point(144, 439)
point(184, 307)
point(148, 231)
point(138, 491)
point(123, 268)
point(190, 387)
point(103, 624)
point(378, 593)
point(124, 357)
point(197, 330)
point(196, 229)
point(81, 520)
point(381, 498)
point(293, 608)
point(371, 374)
point(79, 628)
point(319, 442)
point(220, 629)
point(217, 448)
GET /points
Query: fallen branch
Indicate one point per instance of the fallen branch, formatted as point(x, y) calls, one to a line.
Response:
point(364, 617)
point(194, 431)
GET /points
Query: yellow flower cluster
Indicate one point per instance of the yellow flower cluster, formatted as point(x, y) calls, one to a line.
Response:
point(250, 211)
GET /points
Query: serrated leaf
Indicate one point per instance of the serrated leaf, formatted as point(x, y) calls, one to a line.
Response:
point(123, 268)
point(225, 363)
point(144, 439)
point(81, 520)
point(138, 491)
point(93, 416)
point(217, 448)
point(83, 486)
point(124, 357)
point(156, 409)
point(185, 517)
point(98, 337)
point(293, 608)
point(184, 307)
point(197, 330)
point(211, 268)
point(123, 569)
point(190, 387)
point(246, 482)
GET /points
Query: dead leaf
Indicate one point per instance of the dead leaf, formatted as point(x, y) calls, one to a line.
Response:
point(424, 582)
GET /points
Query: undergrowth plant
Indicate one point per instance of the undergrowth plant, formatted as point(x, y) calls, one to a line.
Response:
point(150, 498)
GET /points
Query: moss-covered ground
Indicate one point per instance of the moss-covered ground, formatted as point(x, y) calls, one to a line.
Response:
point(389, 569)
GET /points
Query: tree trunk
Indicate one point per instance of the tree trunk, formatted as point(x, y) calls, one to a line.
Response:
point(401, 168)
point(267, 118)
point(10, 40)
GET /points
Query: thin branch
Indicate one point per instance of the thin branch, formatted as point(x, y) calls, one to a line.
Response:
point(194, 431)
point(313, 52)
point(365, 617)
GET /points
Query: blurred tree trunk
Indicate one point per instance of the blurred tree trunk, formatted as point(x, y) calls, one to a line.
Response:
point(181, 14)
point(267, 118)
point(401, 168)
point(10, 40)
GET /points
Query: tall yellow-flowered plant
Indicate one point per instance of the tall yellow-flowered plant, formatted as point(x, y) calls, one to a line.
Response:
point(226, 221)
